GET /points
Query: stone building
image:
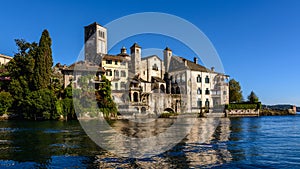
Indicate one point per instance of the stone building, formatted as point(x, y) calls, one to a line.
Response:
point(148, 84)
point(202, 87)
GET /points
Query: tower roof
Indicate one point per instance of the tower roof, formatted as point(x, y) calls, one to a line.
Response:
point(93, 24)
point(135, 45)
point(168, 49)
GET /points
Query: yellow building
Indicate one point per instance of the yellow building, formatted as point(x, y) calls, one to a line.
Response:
point(116, 69)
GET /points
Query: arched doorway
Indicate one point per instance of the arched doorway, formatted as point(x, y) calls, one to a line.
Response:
point(170, 110)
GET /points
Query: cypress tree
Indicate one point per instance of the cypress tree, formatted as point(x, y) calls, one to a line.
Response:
point(43, 62)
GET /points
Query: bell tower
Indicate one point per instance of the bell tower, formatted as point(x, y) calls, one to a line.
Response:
point(136, 58)
point(167, 58)
point(95, 42)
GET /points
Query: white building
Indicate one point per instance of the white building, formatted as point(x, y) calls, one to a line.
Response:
point(150, 84)
point(4, 59)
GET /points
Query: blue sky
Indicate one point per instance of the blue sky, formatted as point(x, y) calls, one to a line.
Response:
point(258, 41)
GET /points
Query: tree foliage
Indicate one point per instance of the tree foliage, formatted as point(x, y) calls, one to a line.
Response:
point(43, 62)
point(6, 101)
point(36, 93)
point(235, 93)
point(30, 71)
point(252, 98)
point(104, 99)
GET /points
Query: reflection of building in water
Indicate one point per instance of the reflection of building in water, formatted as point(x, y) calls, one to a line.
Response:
point(150, 84)
point(203, 147)
point(200, 139)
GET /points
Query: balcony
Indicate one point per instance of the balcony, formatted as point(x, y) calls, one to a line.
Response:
point(215, 93)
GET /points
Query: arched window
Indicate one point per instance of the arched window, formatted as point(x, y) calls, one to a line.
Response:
point(162, 88)
point(207, 103)
point(135, 97)
point(207, 91)
point(198, 79)
point(206, 79)
point(199, 91)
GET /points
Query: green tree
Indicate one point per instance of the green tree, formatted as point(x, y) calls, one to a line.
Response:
point(40, 104)
point(21, 69)
point(65, 106)
point(235, 93)
point(6, 102)
point(31, 71)
point(252, 98)
point(43, 62)
point(104, 99)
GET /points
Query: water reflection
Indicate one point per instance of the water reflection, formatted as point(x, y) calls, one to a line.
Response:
point(225, 143)
point(40, 144)
point(204, 146)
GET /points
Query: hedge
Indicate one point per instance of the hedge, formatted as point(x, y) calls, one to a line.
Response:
point(233, 106)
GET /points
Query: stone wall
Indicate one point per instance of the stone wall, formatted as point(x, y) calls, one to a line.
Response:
point(241, 112)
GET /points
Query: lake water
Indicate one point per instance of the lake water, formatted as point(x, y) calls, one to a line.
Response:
point(256, 142)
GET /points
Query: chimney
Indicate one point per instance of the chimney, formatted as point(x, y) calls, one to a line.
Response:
point(185, 62)
point(196, 60)
point(212, 69)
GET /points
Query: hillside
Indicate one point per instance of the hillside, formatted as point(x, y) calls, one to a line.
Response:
point(280, 107)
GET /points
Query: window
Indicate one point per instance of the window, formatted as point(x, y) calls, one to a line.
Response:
point(206, 91)
point(199, 103)
point(116, 73)
point(123, 63)
point(116, 86)
point(206, 79)
point(198, 79)
point(108, 61)
point(123, 85)
point(108, 72)
point(224, 93)
point(123, 73)
point(206, 103)
point(116, 62)
point(154, 67)
point(199, 91)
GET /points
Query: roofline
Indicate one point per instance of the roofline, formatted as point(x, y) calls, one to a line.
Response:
point(146, 57)
point(94, 23)
point(5, 56)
